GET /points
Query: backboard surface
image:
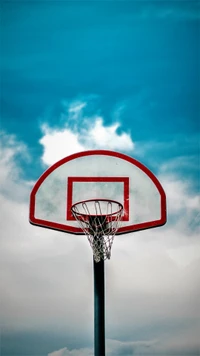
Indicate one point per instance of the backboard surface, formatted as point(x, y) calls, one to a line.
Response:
point(98, 174)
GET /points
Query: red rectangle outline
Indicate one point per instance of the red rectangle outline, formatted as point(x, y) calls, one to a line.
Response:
point(71, 180)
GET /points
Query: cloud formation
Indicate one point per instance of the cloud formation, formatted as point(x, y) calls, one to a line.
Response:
point(11, 173)
point(130, 348)
point(76, 352)
point(152, 277)
point(80, 133)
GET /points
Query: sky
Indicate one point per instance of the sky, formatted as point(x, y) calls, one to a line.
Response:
point(116, 75)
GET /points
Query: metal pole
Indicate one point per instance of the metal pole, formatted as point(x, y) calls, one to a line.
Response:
point(99, 309)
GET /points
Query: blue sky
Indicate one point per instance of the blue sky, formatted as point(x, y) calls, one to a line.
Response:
point(141, 57)
point(120, 75)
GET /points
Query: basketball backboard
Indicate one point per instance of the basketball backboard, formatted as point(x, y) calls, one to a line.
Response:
point(98, 174)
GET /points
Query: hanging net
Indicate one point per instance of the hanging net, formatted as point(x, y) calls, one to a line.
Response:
point(99, 219)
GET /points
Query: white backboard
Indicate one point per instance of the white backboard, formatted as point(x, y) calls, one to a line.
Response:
point(98, 174)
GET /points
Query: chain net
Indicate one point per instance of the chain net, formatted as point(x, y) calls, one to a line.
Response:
point(99, 219)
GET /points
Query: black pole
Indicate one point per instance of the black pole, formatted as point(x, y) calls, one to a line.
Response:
point(99, 309)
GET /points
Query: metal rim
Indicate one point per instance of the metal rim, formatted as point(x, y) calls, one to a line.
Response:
point(96, 200)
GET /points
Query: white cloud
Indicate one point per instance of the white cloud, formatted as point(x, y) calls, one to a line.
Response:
point(10, 172)
point(81, 133)
point(152, 279)
point(180, 197)
point(28, 254)
point(76, 107)
point(107, 137)
point(66, 352)
point(182, 162)
point(58, 144)
point(128, 348)
point(179, 344)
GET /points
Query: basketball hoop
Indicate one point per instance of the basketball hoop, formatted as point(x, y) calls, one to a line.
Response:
point(142, 206)
point(100, 220)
